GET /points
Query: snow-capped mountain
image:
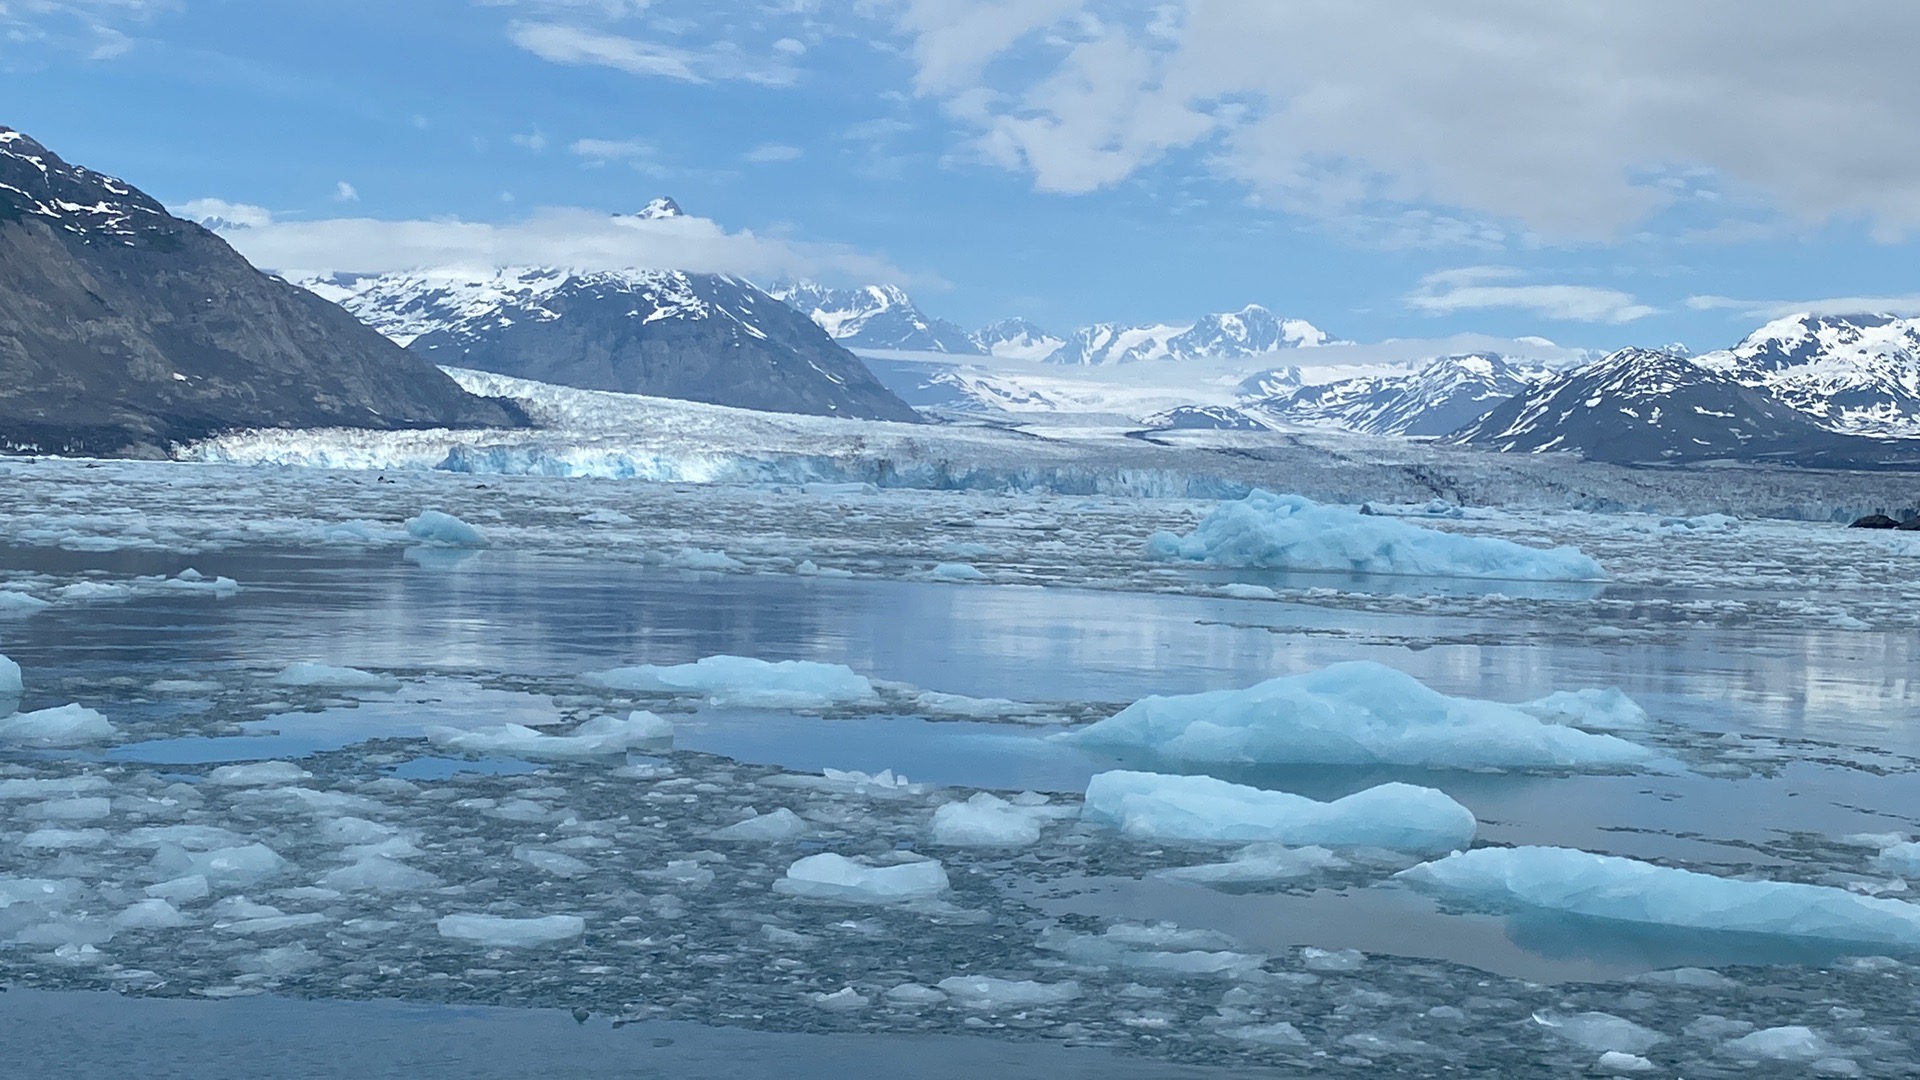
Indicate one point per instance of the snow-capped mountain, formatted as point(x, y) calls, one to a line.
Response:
point(1204, 418)
point(1857, 374)
point(124, 329)
point(1647, 405)
point(1016, 339)
point(1248, 332)
point(1442, 397)
point(666, 333)
point(874, 317)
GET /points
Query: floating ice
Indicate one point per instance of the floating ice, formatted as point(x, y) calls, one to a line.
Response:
point(498, 932)
point(86, 808)
point(68, 725)
point(1354, 713)
point(153, 914)
point(603, 736)
point(781, 824)
point(715, 562)
point(1399, 817)
point(915, 994)
point(987, 820)
point(1593, 709)
point(230, 867)
point(444, 530)
point(1276, 1034)
point(956, 571)
point(1623, 1064)
point(258, 774)
point(307, 673)
point(845, 999)
point(181, 890)
point(1630, 891)
point(18, 605)
point(11, 685)
point(1600, 1031)
point(835, 877)
point(50, 787)
point(1793, 1042)
point(1287, 532)
point(377, 874)
point(552, 863)
point(987, 993)
point(745, 681)
point(1255, 864)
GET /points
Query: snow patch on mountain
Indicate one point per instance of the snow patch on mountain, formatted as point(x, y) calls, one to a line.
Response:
point(874, 317)
point(1855, 374)
point(1251, 331)
point(1016, 339)
point(1439, 398)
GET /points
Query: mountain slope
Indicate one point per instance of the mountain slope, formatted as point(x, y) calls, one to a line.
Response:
point(1016, 339)
point(1858, 374)
point(1248, 332)
point(1442, 397)
point(665, 333)
point(874, 317)
point(124, 329)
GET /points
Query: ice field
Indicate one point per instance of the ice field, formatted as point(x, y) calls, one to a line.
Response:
point(1113, 780)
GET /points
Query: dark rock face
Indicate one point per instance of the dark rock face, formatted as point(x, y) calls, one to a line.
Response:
point(1875, 521)
point(124, 330)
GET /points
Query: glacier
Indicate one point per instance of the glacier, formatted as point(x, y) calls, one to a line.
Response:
point(1289, 532)
point(1626, 890)
point(1397, 817)
point(1355, 713)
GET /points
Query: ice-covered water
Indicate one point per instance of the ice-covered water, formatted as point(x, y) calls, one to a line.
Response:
point(442, 798)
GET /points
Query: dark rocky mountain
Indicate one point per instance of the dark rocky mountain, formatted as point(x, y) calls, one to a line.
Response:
point(125, 330)
point(666, 333)
point(1442, 397)
point(874, 317)
point(1857, 374)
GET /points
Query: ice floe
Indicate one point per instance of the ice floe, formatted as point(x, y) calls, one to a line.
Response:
point(602, 736)
point(1288, 532)
point(65, 725)
point(987, 820)
point(1398, 817)
point(497, 931)
point(780, 824)
point(1256, 864)
point(1630, 891)
point(329, 676)
point(835, 877)
point(987, 993)
point(1354, 713)
point(745, 681)
point(11, 685)
point(442, 529)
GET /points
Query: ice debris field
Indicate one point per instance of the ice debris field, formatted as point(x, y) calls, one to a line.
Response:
point(1366, 780)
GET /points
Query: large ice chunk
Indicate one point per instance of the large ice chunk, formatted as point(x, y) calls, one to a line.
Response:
point(745, 681)
point(1287, 532)
point(68, 725)
point(11, 685)
point(444, 530)
point(780, 824)
point(498, 932)
point(1400, 817)
point(835, 877)
point(1630, 891)
point(987, 820)
point(603, 736)
point(1355, 713)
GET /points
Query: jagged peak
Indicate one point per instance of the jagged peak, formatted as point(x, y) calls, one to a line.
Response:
point(660, 209)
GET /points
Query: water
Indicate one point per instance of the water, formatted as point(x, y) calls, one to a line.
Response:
point(1780, 741)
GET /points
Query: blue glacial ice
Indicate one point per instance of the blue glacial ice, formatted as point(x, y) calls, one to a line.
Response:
point(1356, 713)
point(441, 529)
point(1398, 817)
point(745, 681)
point(835, 877)
point(11, 686)
point(987, 820)
point(1611, 887)
point(1288, 532)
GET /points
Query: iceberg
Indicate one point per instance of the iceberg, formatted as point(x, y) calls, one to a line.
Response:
point(1354, 713)
point(745, 681)
point(68, 725)
point(503, 933)
point(1399, 817)
point(603, 736)
point(1288, 532)
point(1630, 891)
point(444, 530)
point(835, 877)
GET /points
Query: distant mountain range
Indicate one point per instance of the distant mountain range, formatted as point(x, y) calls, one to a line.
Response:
point(1858, 374)
point(125, 330)
point(1445, 395)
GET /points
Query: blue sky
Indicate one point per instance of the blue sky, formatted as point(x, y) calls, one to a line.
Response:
point(1598, 173)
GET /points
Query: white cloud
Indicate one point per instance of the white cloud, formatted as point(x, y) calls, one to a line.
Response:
point(1902, 306)
point(772, 152)
point(569, 237)
point(533, 142)
point(1573, 119)
point(345, 192)
point(565, 43)
point(1482, 288)
point(604, 150)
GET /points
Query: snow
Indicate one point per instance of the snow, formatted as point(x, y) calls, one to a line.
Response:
point(987, 993)
point(745, 681)
point(1630, 891)
point(442, 529)
point(498, 932)
point(308, 673)
point(986, 820)
point(1289, 532)
point(67, 725)
point(1395, 816)
point(828, 876)
point(603, 736)
point(1354, 713)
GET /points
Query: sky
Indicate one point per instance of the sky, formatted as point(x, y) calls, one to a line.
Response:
point(1598, 172)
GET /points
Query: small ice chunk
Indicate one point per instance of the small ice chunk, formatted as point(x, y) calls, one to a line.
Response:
point(50, 787)
point(1332, 959)
point(1239, 590)
point(1399, 817)
point(987, 993)
point(444, 530)
point(1353, 713)
point(780, 824)
point(1276, 1034)
point(845, 999)
point(1691, 977)
point(258, 774)
point(1618, 1063)
point(1257, 863)
point(495, 931)
point(230, 867)
point(181, 890)
point(1900, 857)
point(956, 571)
point(67, 725)
point(1630, 891)
point(1793, 1042)
point(603, 736)
point(63, 839)
point(745, 681)
point(915, 994)
point(716, 562)
point(379, 874)
point(1600, 1031)
point(152, 914)
point(986, 820)
point(1594, 709)
point(554, 863)
point(11, 685)
point(835, 877)
point(85, 808)
point(329, 676)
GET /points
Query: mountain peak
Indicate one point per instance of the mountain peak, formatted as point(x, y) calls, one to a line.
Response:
point(660, 209)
